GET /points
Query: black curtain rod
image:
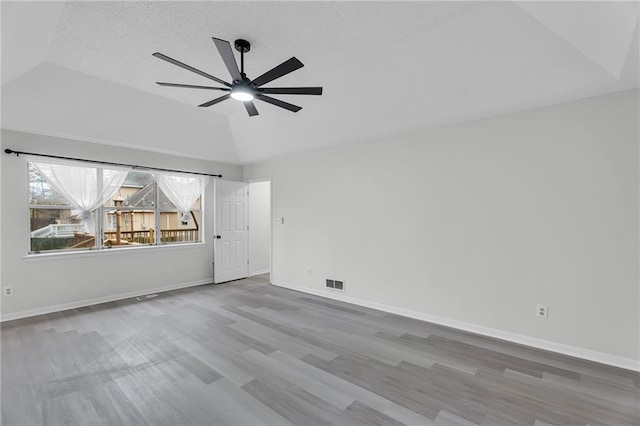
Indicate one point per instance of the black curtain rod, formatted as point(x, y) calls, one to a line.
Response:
point(133, 166)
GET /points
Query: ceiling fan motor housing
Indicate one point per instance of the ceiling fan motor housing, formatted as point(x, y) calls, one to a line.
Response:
point(242, 46)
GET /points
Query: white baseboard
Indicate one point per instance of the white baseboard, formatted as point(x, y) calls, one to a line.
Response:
point(260, 272)
point(588, 354)
point(97, 300)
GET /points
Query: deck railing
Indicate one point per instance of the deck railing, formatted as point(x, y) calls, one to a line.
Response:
point(57, 230)
point(177, 235)
point(147, 236)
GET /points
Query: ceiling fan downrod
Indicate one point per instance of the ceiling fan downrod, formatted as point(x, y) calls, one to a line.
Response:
point(242, 46)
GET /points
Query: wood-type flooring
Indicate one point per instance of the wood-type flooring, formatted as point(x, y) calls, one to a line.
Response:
point(248, 353)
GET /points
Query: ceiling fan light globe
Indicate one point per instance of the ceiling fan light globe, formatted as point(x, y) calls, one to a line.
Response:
point(242, 95)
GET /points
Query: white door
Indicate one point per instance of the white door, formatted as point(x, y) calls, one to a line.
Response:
point(231, 248)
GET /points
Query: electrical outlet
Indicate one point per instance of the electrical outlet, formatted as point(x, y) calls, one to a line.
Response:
point(542, 311)
point(309, 271)
point(212, 264)
point(7, 291)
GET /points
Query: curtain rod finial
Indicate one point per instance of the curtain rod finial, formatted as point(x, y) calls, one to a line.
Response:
point(8, 151)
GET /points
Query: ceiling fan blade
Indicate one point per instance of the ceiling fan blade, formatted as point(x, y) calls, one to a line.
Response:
point(189, 68)
point(191, 86)
point(251, 108)
point(278, 102)
point(215, 101)
point(292, 90)
point(224, 48)
point(284, 68)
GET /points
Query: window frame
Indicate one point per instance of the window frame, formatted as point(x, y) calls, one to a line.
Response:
point(100, 226)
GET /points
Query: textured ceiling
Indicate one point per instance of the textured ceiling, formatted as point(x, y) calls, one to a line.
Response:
point(97, 37)
point(385, 67)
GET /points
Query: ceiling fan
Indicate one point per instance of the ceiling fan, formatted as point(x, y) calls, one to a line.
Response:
point(242, 88)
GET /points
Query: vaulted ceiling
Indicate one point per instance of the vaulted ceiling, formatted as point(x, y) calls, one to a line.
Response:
point(84, 69)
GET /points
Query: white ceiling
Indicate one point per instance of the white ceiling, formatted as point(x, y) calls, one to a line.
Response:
point(85, 70)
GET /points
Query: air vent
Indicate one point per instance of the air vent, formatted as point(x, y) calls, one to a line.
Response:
point(335, 284)
point(146, 296)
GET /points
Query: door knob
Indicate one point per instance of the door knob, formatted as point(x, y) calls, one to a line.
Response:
point(218, 237)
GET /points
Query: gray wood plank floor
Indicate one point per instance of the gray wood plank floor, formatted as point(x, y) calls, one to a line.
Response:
point(247, 353)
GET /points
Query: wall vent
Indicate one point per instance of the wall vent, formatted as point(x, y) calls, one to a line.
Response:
point(335, 284)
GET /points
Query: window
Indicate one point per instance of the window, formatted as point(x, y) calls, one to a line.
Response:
point(111, 222)
point(66, 203)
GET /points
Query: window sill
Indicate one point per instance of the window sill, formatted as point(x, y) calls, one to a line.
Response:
point(34, 257)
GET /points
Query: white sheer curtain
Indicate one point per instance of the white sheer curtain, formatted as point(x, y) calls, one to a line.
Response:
point(82, 186)
point(182, 190)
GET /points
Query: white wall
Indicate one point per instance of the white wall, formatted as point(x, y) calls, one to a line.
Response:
point(259, 227)
point(54, 100)
point(474, 224)
point(46, 282)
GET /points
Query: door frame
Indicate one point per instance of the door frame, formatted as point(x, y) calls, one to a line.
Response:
point(270, 180)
